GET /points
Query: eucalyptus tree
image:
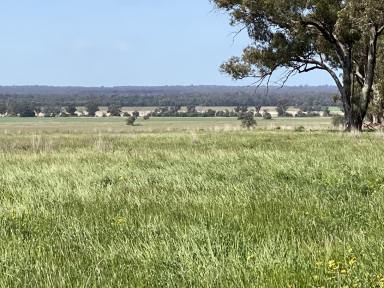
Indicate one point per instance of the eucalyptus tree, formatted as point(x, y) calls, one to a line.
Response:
point(336, 36)
point(376, 108)
point(379, 85)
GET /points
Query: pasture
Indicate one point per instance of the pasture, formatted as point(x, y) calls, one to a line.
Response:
point(111, 125)
point(189, 203)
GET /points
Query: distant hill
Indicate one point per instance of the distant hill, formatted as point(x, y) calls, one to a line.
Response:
point(171, 95)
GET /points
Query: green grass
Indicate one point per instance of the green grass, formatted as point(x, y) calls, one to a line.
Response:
point(110, 125)
point(190, 208)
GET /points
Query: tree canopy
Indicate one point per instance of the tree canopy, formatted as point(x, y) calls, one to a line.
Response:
point(306, 35)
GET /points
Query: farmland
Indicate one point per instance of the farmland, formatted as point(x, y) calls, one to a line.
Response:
point(117, 125)
point(189, 203)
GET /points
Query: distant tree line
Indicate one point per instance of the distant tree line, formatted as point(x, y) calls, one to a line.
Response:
point(91, 109)
point(174, 111)
point(239, 111)
point(309, 97)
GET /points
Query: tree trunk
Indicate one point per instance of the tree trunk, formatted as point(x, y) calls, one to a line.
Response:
point(356, 108)
point(356, 101)
point(355, 120)
point(354, 112)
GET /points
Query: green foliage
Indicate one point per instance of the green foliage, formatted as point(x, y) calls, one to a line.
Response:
point(280, 111)
point(168, 96)
point(245, 209)
point(3, 108)
point(51, 110)
point(376, 108)
point(241, 109)
point(267, 115)
point(302, 36)
point(280, 33)
point(300, 114)
point(247, 120)
point(313, 114)
point(338, 121)
point(25, 110)
point(22, 109)
point(257, 111)
point(290, 33)
point(114, 110)
point(380, 70)
point(71, 109)
point(282, 108)
point(174, 111)
point(92, 108)
point(131, 120)
point(326, 112)
point(300, 129)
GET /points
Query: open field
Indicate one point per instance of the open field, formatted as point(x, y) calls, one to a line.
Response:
point(112, 125)
point(271, 109)
point(83, 205)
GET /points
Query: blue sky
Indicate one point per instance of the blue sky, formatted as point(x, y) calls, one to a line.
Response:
point(119, 42)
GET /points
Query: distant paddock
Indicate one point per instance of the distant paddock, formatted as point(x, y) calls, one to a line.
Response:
point(117, 125)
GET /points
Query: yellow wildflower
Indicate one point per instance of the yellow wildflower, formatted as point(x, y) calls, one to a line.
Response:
point(120, 220)
point(13, 214)
point(352, 261)
point(332, 264)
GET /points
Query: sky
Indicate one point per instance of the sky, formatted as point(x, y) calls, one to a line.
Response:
point(120, 43)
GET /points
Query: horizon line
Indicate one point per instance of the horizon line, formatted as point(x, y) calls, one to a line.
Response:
point(157, 86)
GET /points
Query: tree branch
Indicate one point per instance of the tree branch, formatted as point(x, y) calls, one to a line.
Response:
point(329, 36)
point(322, 66)
point(359, 73)
point(380, 30)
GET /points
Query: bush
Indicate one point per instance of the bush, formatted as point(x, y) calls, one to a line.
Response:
point(247, 120)
point(301, 114)
point(25, 110)
point(326, 112)
point(146, 117)
point(267, 115)
point(313, 114)
point(92, 108)
point(71, 109)
point(281, 109)
point(114, 110)
point(209, 113)
point(338, 121)
point(300, 129)
point(131, 120)
point(27, 113)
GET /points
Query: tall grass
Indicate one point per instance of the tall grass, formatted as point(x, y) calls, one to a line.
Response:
point(229, 209)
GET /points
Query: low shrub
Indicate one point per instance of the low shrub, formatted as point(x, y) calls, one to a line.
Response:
point(131, 120)
point(267, 116)
point(300, 129)
point(247, 120)
point(338, 121)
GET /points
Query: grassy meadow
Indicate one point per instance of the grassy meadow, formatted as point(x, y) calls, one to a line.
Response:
point(189, 203)
point(117, 125)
